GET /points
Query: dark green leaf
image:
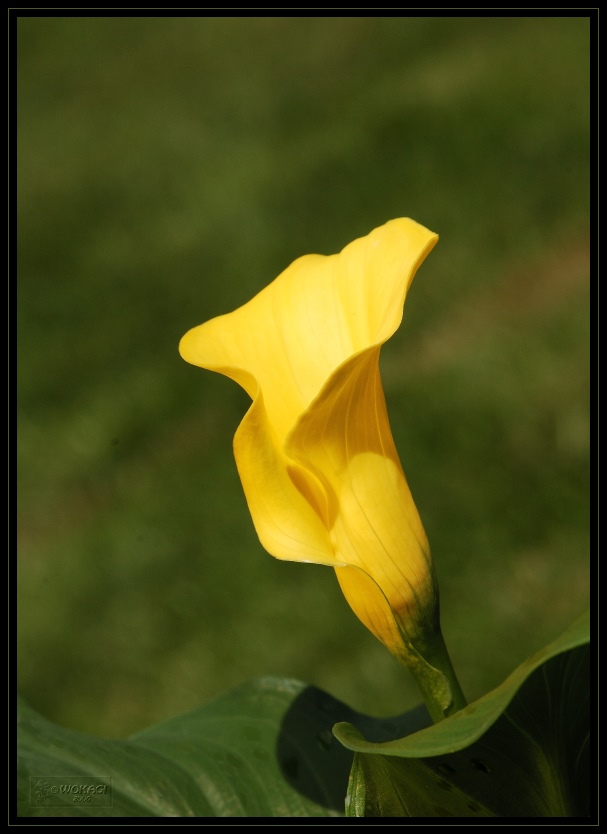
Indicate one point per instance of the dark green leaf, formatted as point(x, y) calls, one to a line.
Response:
point(386, 786)
point(520, 751)
point(264, 749)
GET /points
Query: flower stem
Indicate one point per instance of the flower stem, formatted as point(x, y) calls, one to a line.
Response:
point(435, 676)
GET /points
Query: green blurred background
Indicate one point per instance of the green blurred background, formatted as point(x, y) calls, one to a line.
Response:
point(168, 169)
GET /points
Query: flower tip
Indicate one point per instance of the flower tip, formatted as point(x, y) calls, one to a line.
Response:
point(183, 346)
point(196, 348)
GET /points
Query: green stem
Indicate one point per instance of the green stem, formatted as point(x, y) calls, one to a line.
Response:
point(433, 671)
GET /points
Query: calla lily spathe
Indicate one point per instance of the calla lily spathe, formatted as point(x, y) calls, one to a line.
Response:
point(315, 452)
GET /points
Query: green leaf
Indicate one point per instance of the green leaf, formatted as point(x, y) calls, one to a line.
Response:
point(520, 751)
point(386, 786)
point(264, 749)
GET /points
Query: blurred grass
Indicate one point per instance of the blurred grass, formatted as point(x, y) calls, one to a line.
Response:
point(168, 169)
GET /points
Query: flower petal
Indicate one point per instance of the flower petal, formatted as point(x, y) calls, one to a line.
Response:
point(344, 438)
point(315, 452)
point(320, 311)
point(287, 504)
point(366, 599)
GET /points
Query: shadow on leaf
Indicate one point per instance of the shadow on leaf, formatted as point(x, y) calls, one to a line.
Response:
point(311, 759)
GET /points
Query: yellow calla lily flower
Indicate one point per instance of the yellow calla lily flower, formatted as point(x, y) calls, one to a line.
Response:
point(315, 453)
